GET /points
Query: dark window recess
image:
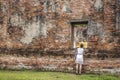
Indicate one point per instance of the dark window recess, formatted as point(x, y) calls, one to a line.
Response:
point(118, 15)
point(118, 20)
point(78, 32)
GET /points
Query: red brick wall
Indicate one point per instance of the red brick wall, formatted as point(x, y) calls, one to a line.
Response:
point(47, 26)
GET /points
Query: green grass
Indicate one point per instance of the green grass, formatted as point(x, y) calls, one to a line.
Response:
point(33, 75)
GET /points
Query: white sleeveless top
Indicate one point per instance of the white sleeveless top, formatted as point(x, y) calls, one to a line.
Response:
point(80, 51)
point(79, 56)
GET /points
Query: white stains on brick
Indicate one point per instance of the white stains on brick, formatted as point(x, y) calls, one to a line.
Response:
point(43, 30)
point(16, 20)
point(92, 29)
point(53, 6)
point(35, 29)
point(100, 30)
point(4, 7)
point(32, 30)
point(45, 6)
point(36, 3)
point(98, 5)
point(22, 8)
point(44, 27)
point(96, 28)
point(9, 44)
point(66, 7)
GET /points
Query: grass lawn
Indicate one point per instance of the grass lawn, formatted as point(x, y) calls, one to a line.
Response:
point(33, 75)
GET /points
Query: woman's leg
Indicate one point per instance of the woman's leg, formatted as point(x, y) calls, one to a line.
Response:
point(80, 68)
point(76, 68)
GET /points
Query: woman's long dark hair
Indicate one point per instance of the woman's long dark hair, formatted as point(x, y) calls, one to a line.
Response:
point(81, 45)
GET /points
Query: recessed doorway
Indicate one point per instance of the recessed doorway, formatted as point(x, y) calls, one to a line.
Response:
point(78, 32)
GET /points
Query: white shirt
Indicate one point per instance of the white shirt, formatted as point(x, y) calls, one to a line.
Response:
point(80, 51)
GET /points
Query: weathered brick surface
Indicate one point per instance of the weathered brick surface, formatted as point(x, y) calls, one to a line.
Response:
point(44, 26)
point(59, 63)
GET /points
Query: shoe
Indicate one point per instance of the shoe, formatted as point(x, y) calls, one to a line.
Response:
point(76, 73)
point(80, 73)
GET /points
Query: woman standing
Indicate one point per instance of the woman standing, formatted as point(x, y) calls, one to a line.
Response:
point(79, 59)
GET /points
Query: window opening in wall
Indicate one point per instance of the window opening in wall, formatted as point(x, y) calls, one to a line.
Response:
point(118, 15)
point(79, 33)
point(118, 21)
